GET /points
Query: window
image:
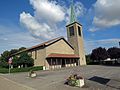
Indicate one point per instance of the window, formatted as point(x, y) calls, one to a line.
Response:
point(71, 30)
point(79, 31)
point(35, 54)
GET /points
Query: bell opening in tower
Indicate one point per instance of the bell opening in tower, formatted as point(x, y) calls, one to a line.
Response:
point(79, 31)
point(71, 30)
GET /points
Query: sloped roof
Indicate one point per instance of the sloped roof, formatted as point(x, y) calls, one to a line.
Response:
point(50, 42)
point(55, 55)
point(73, 23)
point(45, 44)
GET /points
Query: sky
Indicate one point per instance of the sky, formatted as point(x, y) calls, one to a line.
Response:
point(25, 23)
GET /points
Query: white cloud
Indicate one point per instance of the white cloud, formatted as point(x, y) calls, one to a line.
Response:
point(93, 29)
point(50, 11)
point(107, 13)
point(48, 18)
point(79, 11)
point(107, 43)
point(41, 30)
point(13, 37)
point(43, 24)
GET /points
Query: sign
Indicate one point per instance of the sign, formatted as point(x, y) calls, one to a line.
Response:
point(10, 60)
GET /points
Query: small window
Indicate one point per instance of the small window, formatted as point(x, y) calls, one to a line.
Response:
point(79, 31)
point(71, 30)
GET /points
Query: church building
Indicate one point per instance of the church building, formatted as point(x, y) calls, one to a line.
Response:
point(58, 52)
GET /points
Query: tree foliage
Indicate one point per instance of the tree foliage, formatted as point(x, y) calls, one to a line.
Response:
point(114, 52)
point(22, 48)
point(5, 55)
point(88, 59)
point(3, 62)
point(25, 60)
point(13, 51)
point(15, 61)
point(99, 54)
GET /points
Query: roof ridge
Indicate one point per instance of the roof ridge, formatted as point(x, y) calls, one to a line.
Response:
point(54, 39)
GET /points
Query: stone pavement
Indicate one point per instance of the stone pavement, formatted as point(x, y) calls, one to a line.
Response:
point(96, 78)
point(7, 84)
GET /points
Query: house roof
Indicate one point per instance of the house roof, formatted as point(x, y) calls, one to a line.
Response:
point(45, 44)
point(55, 55)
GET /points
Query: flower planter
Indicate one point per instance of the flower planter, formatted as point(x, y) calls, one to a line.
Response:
point(80, 82)
point(33, 75)
point(75, 80)
point(44, 68)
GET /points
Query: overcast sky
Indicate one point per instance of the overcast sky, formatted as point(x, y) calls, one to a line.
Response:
point(31, 22)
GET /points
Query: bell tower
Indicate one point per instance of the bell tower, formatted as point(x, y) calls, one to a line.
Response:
point(75, 36)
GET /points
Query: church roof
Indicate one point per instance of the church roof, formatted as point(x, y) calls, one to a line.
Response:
point(45, 44)
point(72, 15)
point(55, 55)
point(73, 18)
point(73, 23)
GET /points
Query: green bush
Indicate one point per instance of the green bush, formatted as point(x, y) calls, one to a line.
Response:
point(15, 70)
point(3, 70)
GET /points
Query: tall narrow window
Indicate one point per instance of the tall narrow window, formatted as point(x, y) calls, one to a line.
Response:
point(35, 54)
point(71, 30)
point(79, 31)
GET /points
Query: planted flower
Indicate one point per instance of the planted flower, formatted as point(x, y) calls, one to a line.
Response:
point(32, 74)
point(75, 80)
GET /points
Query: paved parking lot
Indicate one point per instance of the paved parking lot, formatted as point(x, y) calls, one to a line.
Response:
point(96, 78)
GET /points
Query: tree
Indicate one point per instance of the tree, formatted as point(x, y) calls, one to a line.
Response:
point(88, 59)
point(114, 52)
point(25, 60)
point(3, 63)
point(12, 51)
point(5, 55)
point(15, 61)
point(99, 54)
point(4, 59)
point(22, 48)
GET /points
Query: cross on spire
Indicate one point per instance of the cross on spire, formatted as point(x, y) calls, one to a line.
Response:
point(72, 15)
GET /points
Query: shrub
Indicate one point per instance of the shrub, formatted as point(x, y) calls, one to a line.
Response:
point(15, 70)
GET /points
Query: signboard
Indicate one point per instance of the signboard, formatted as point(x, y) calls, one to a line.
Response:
point(10, 61)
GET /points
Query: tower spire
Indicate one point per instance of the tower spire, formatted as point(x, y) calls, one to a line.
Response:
point(72, 14)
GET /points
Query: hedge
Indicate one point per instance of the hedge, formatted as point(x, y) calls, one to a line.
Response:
point(15, 70)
